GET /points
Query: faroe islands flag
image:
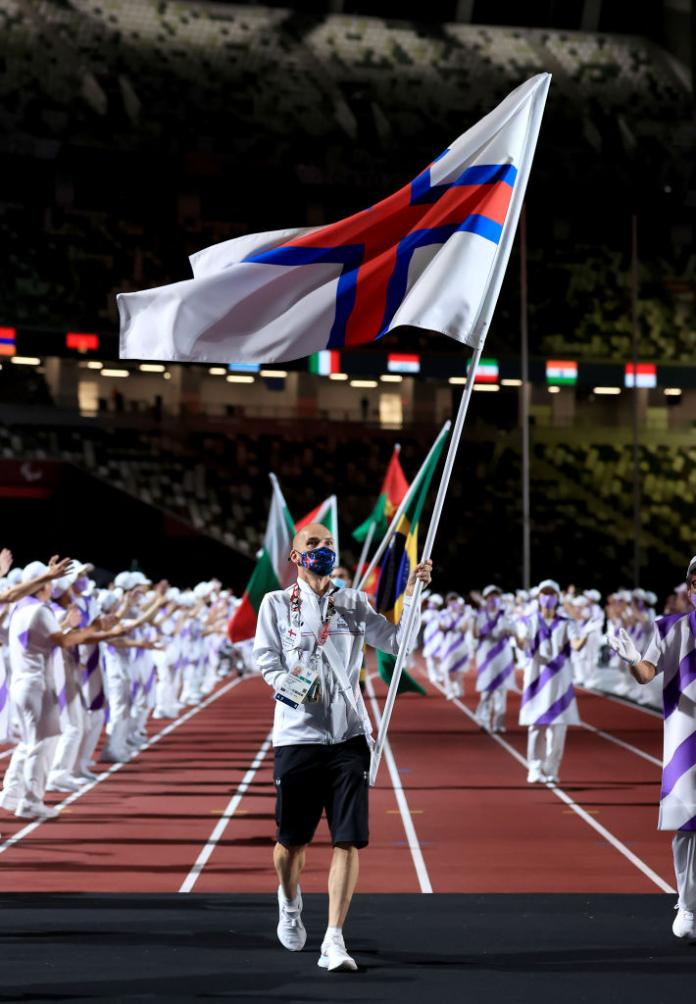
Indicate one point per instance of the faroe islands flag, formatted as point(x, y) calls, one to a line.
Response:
point(432, 256)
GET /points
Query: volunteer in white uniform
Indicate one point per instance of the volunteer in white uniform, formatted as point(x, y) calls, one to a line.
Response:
point(309, 643)
point(34, 636)
point(548, 699)
point(672, 652)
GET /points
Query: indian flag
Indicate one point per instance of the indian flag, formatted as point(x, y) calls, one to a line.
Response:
point(325, 513)
point(325, 362)
point(486, 371)
point(562, 372)
point(272, 570)
point(394, 488)
point(401, 557)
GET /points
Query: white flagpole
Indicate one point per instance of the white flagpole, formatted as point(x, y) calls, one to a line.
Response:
point(363, 554)
point(481, 329)
point(384, 543)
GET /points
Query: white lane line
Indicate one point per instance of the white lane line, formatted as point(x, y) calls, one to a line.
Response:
point(620, 742)
point(406, 819)
point(232, 806)
point(30, 827)
point(564, 797)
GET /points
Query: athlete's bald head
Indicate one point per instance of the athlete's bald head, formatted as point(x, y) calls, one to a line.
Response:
point(311, 536)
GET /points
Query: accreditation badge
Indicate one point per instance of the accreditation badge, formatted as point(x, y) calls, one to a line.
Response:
point(298, 686)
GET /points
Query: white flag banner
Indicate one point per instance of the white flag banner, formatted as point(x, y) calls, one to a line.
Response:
point(432, 256)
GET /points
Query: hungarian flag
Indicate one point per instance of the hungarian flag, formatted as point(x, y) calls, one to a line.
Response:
point(401, 557)
point(393, 492)
point(325, 513)
point(272, 570)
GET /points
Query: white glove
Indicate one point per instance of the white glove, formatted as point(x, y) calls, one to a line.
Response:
point(624, 647)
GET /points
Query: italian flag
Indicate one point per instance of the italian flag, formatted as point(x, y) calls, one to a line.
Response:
point(272, 570)
point(325, 513)
point(325, 362)
point(394, 488)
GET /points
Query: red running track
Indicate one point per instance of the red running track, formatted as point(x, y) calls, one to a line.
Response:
point(479, 826)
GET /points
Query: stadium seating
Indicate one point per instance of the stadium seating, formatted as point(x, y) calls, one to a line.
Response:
point(243, 118)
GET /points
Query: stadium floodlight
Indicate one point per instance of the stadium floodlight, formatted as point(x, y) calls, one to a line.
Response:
point(363, 383)
point(554, 389)
point(391, 378)
point(152, 368)
point(606, 390)
point(338, 376)
point(511, 382)
point(274, 374)
point(487, 386)
point(115, 373)
point(94, 364)
point(458, 380)
point(673, 392)
point(25, 361)
point(239, 378)
point(217, 371)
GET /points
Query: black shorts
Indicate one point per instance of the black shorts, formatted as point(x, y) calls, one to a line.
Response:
point(310, 779)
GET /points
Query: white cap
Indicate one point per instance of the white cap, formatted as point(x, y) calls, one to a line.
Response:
point(650, 598)
point(139, 579)
point(202, 590)
point(692, 566)
point(491, 589)
point(81, 567)
point(123, 580)
point(593, 594)
point(638, 594)
point(33, 570)
point(436, 599)
point(14, 576)
point(549, 584)
point(60, 586)
point(172, 594)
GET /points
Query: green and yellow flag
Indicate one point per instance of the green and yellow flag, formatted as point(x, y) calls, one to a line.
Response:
point(401, 557)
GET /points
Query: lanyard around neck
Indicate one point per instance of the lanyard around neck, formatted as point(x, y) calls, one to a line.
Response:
point(296, 615)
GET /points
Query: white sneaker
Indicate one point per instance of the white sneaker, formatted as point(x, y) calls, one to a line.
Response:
point(9, 801)
point(62, 782)
point(334, 956)
point(684, 925)
point(34, 810)
point(291, 931)
point(535, 776)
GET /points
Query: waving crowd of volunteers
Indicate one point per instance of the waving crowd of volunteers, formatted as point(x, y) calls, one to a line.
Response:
point(77, 660)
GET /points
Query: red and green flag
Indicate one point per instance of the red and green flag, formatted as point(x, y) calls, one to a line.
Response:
point(401, 557)
point(394, 490)
point(272, 569)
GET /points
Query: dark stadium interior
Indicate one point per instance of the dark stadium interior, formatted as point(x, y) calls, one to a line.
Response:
point(135, 134)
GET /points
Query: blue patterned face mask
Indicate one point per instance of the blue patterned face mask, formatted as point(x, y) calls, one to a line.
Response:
point(320, 560)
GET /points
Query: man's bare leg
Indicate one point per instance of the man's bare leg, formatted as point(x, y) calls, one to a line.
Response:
point(343, 877)
point(289, 862)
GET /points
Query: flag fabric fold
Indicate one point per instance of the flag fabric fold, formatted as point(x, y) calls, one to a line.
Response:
point(400, 558)
point(272, 569)
point(422, 257)
point(394, 488)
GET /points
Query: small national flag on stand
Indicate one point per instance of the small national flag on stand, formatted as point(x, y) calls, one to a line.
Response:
point(561, 372)
point(324, 363)
point(401, 557)
point(486, 371)
point(8, 341)
point(645, 375)
point(272, 570)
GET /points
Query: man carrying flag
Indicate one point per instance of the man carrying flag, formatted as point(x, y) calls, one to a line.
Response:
point(309, 646)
